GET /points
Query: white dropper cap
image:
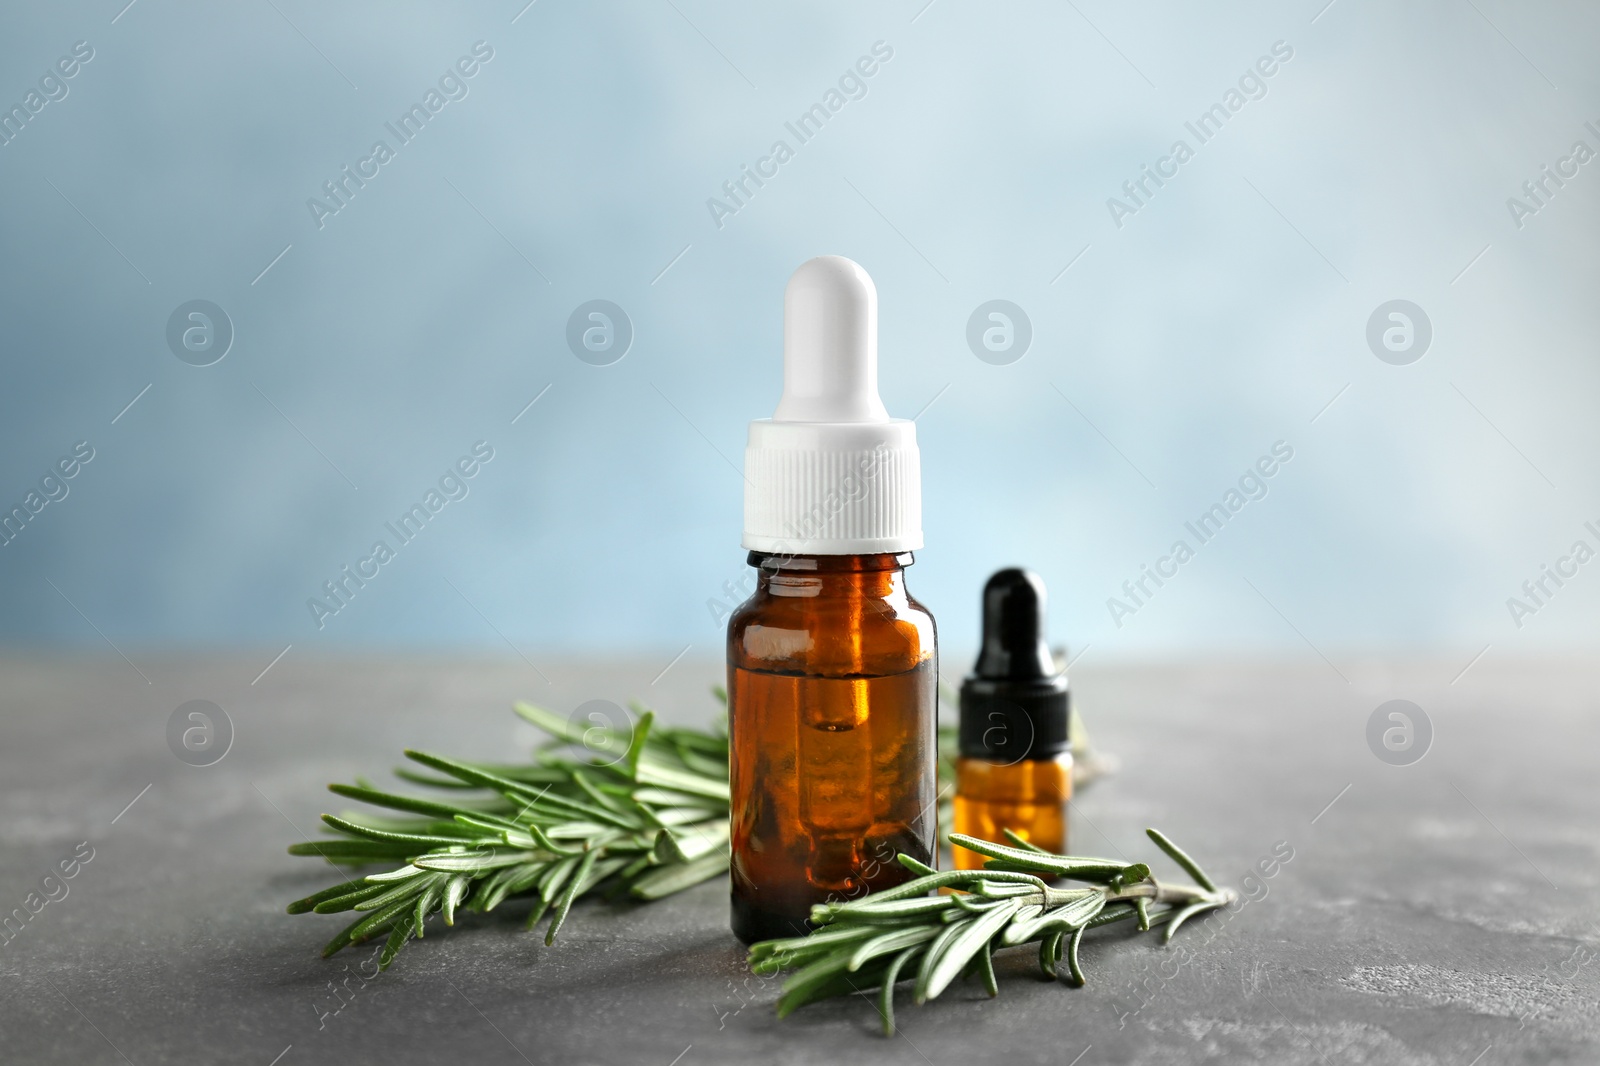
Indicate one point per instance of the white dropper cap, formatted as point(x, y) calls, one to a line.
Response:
point(830, 473)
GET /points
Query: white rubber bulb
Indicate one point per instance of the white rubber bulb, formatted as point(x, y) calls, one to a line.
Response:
point(830, 344)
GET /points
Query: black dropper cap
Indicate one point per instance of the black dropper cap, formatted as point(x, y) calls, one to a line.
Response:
point(1014, 704)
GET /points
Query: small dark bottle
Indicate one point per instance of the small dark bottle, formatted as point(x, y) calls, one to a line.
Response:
point(832, 674)
point(1014, 769)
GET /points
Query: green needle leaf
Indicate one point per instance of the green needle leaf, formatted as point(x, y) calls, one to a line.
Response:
point(886, 990)
point(665, 880)
point(1072, 957)
point(1050, 954)
point(641, 733)
point(425, 905)
point(1184, 915)
point(888, 944)
point(481, 861)
point(954, 947)
point(404, 890)
point(609, 741)
point(1179, 856)
point(986, 971)
point(574, 886)
point(921, 886)
point(1073, 866)
point(371, 925)
point(355, 851)
point(397, 940)
point(419, 840)
point(455, 891)
point(890, 912)
point(1116, 912)
point(301, 906)
point(1021, 842)
point(394, 801)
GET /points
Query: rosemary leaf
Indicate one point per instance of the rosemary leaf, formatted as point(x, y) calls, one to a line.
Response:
point(555, 877)
point(1050, 954)
point(1075, 867)
point(1183, 916)
point(425, 904)
point(301, 906)
point(955, 946)
point(889, 943)
point(355, 851)
point(923, 885)
point(986, 970)
point(574, 886)
point(1022, 842)
point(820, 980)
point(405, 890)
point(891, 912)
point(397, 940)
point(665, 880)
point(1179, 856)
point(376, 922)
point(1116, 912)
point(481, 861)
point(1072, 957)
point(417, 840)
point(393, 801)
point(886, 991)
point(455, 891)
point(598, 739)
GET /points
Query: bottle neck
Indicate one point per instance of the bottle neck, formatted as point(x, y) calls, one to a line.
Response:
point(875, 576)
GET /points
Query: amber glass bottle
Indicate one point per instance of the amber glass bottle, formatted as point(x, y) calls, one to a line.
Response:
point(832, 703)
point(1015, 766)
point(831, 663)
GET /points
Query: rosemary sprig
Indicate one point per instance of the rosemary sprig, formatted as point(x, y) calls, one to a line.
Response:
point(647, 817)
point(905, 934)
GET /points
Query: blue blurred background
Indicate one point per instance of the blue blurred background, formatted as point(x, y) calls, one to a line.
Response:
point(1172, 344)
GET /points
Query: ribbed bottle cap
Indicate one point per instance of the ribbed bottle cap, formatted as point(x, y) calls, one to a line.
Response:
point(830, 473)
point(1014, 704)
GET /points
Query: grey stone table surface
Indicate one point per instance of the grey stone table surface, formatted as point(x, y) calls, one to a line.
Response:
point(1440, 912)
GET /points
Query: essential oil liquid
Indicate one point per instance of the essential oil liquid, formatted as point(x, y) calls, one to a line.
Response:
point(831, 778)
point(1028, 797)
